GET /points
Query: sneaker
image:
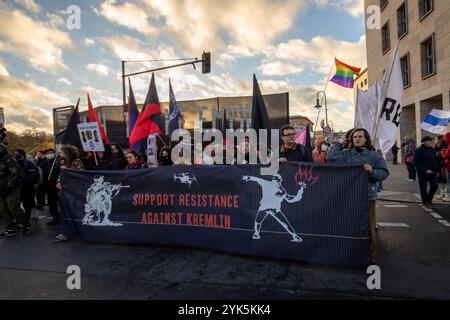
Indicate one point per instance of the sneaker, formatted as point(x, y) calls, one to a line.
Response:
point(60, 238)
point(411, 180)
point(7, 234)
point(446, 199)
point(440, 197)
point(53, 222)
point(26, 230)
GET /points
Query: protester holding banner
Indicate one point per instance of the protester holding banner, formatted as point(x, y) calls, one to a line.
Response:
point(427, 165)
point(71, 156)
point(361, 150)
point(28, 186)
point(290, 150)
point(119, 161)
point(164, 157)
point(101, 161)
point(134, 161)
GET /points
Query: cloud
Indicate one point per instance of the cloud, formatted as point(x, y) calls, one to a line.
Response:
point(88, 42)
point(278, 68)
point(101, 69)
point(30, 5)
point(319, 53)
point(27, 105)
point(64, 81)
point(202, 25)
point(99, 97)
point(128, 15)
point(33, 41)
point(352, 7)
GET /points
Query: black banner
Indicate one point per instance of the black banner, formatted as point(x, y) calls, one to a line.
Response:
point(308, 212)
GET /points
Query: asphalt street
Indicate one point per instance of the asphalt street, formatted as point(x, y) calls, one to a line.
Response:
point(413, 246)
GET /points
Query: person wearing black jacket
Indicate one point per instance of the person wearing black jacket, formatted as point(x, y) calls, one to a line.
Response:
point(290, 150)
point(42, 163)
point(28, 186)
point(52, 179)
point(427, 166)
point(119, 161)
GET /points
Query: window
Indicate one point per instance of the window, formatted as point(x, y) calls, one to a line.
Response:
point(406, 73)
point(365, 82)
point(425, 7)
point(428, 57)
point(385, 39)
point(383, 4)
point(402, 20)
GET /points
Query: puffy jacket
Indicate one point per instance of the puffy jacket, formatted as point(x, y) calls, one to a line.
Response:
point(29, 173)
point(337, 154)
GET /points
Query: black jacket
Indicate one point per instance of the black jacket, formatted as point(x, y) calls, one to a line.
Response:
point(298, 153)
point(29, 173)
point(425, 159)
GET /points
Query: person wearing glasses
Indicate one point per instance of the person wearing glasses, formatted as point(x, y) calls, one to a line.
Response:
point(290, 150)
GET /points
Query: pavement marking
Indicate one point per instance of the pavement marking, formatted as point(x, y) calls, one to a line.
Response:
point(435, 215)
point(390, 224)
point(395, 206)
point(444, 222)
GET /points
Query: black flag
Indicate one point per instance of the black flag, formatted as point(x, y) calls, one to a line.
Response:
point(71, 135)
point(260, 118)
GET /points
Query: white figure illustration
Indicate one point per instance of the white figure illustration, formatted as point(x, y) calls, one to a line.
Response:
point(273, 195)
point(99, 202)
point(185, 178)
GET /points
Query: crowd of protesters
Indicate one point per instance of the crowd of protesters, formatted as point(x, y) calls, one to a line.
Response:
point(28, 185)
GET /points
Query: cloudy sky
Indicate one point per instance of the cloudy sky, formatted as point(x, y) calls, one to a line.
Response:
point(288, 44)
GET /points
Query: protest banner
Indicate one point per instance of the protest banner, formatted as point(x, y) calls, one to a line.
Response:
point(227, 208)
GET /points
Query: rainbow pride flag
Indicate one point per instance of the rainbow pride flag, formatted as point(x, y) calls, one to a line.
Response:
point(344, 74)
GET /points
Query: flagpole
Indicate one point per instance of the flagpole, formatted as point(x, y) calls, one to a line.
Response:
point(324, 90)
point(95, 157)
point(385, 91)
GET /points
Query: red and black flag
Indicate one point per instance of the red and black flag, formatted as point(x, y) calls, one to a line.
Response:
point(71, 135)
point(149, 120)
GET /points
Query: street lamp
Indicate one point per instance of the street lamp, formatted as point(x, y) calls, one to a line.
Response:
point(318, 106)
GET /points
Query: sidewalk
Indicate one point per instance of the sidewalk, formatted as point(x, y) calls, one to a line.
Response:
point(398, 189)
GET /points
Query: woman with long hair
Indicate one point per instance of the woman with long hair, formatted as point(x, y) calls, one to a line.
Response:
point(360, 149)
point(134, 160)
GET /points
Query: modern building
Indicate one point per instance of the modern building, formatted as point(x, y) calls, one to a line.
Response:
point(361, 82)
point(422, 28)
point(237, 110)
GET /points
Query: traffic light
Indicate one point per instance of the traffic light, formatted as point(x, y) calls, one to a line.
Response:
point(206, 64)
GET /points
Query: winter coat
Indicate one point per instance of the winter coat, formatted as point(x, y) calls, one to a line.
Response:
point(446, 154)
point(337, 154)
point(425, 159)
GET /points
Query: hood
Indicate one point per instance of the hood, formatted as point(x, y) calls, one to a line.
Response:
point(447, 138)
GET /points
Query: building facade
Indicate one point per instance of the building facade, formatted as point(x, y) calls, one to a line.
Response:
point(422, 29)
point(361, 82)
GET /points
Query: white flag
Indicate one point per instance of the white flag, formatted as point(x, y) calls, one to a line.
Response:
point(366, 108)
point(390, 108)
